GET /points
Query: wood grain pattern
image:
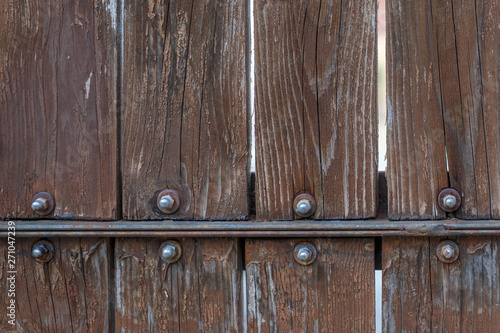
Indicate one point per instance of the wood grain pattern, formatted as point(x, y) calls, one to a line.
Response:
point(443, 106)
point(336, 293)
point(184, 104)
point(58, 101)
point(422, 294)
point(67, 294)
point(315, 106)
point(201, 292)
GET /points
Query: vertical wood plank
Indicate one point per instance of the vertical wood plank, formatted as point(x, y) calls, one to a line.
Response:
point(423, 294)
point(58, 101)
point(184, 104)
point(336, 293)
point(200, 292)
point(443, 106)
point(315, 105)
point(67, 294)
point(407, 299)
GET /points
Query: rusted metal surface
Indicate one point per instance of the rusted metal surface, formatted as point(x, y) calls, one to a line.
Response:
point(334, 228)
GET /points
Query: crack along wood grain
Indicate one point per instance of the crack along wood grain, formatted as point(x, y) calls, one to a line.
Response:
point(58, 107)
point(199, 293)
point(443, 60)
point(67, 294)
point(184, 108)
point(422, 294)
point(336, 293)
point(315, 106)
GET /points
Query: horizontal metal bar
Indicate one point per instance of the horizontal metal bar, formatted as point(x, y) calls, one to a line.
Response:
point(329, 228)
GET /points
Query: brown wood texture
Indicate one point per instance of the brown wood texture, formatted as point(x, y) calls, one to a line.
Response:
point(316, 107)
point(422, 294)
point(58, 107)
point(199, 293)
point(185, 109)
point(67, 294)
point(443, 68)
point(336, 293)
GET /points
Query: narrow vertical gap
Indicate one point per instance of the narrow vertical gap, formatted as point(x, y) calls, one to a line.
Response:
point(244, 303)
point(378, 301)
point(382, 148)
point(251, 82)
point(111, 285)
point(381, 85)
point(119, 95)
point(378, 284)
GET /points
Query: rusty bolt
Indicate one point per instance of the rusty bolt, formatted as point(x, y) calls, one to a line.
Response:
point(170, 251)
point(168, 201)
point(449, 200)
point(42, 203)
point(304, 205)
point(447, 251)
point(42, 251)
point(305, 253)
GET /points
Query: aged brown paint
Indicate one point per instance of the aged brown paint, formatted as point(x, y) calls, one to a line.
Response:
point(184, 108)
point(315, 106)
point(422, 294)
point(336, 293)
point(58, 107)
point(67, 294)
point(443, 88)
point(200, 292)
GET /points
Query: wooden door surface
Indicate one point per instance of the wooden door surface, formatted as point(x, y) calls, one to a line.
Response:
point(128, 204)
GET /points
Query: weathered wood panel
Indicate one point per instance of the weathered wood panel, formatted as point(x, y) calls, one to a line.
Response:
point(58, 102)
point(184, 104)
point(67, 294)
point(315, 106)
point(443, 88)
point(200, 292)
point(422, 294)
point(336, 293)
point(407, 298)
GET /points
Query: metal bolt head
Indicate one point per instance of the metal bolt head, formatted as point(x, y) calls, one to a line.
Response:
point(304, 205)
point(42, 203)
point(170, 251)
point(305, 253)
point(449, 200)
point(42, 251)
point(39, 204)
point(168, 201)
point(447, 251)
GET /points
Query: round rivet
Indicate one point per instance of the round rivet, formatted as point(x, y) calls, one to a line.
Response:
point(168, 201)
point(305, 253)
point(42, 203)
point(42, 251)
point(447, 251)
point(170, 251)
point(449, 200)
point(304, 205)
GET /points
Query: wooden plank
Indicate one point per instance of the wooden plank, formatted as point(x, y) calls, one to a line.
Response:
point(336, 293)
point(315, 106)
point(58, 101)
point(407, 299)
point(184, 108)
point(423, 294)
point(201, 292)
point(67, 294)
point(443, 106)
